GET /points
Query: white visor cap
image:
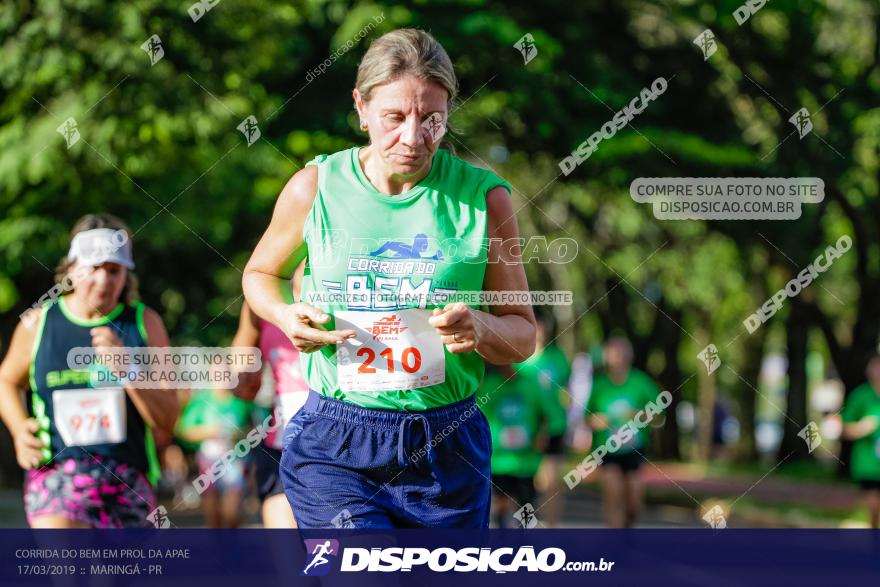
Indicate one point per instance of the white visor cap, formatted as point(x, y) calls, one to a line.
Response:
point(101, 245)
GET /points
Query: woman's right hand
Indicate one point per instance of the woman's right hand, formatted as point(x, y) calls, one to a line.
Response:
point(868, 425)
point(599, 422)
point(302, 323)
point(28, 448)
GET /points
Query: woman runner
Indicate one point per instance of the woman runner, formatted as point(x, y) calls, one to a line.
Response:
point(88, 452)
point(390, 435)
point(861, 426)
point(618, 394)
point(215, 420)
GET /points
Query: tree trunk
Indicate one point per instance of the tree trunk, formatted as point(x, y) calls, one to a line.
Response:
point(705, 405)
point(794, 447)
point(669, 339)
point(747, 448)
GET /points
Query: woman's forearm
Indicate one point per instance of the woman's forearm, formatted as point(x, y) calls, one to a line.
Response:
point(158, 407)
point(200, 433)
point(267, 294)
point(11, 407)
point(855, 431)
point(503, 340)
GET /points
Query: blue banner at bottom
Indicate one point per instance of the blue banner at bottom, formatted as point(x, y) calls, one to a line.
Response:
point(214, 558)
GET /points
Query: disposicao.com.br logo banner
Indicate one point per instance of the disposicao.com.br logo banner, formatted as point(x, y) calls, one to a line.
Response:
point(323, 553)
point(429, 557)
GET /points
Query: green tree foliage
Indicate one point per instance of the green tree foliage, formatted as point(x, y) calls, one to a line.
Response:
point(160, 147)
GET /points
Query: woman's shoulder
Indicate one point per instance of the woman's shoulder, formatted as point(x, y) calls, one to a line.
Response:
point(141, 308)
point(306, 183)
point(640, 376)
point(600, 380)
point(149, 321)
point(299, 193)
point(330, 158)
point(456, 164)
point(861, 392)
point(479, 179)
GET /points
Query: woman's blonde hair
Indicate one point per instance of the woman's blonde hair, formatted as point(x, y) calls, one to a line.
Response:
point(407, 52)
point(130, 292)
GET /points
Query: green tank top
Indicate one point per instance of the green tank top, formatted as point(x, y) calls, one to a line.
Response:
point(428, 240)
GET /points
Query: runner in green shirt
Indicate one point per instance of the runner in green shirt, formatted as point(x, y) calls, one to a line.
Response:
point(521, 421)
point(216, 420)
point(619, 393)
point(861, 417)
point(389, 231)
point(551, 369)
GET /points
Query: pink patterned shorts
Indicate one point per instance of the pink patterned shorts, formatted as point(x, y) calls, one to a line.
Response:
point(94, 490)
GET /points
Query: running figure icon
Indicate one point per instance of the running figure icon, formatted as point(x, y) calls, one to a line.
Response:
point(321, 549)
point(404, 251)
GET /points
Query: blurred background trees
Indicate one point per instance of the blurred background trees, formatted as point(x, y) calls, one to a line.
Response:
point(159, 147)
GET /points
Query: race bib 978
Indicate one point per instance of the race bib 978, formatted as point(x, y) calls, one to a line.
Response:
point(392, 350)
point(90, 416)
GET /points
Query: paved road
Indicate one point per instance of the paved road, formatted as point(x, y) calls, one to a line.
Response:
point(582, 510)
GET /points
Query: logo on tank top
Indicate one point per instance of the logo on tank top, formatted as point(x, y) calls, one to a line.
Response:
point(68, 377)
point(401, 250)
point(392, 275)
point(387, 328)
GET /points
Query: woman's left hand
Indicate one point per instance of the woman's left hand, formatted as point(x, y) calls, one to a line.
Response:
point(458, 326)
point(107, 344)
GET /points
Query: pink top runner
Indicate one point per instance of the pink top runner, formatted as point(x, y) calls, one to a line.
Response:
point(291, 388)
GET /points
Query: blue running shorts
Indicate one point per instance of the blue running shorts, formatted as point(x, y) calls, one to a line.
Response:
point(345, 466)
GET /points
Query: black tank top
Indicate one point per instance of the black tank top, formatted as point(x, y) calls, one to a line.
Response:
point(58, 332)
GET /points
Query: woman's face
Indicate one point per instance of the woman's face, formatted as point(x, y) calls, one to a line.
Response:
point(617, 356)
point(99, 286)
point(397, 117)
